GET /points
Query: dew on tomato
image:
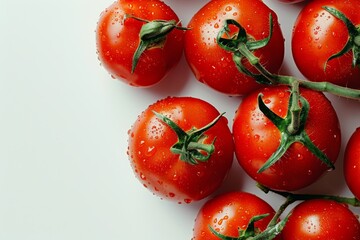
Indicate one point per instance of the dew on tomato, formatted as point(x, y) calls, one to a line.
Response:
point(256, 139)
point(150, 142)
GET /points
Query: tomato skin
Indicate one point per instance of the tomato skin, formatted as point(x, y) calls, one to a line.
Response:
point(321, 219)
point(256, 138)
point(214, 66)
point(117, 38)
point(160, 170)
point(318, 35)
point(352, 163)
point(228, 212)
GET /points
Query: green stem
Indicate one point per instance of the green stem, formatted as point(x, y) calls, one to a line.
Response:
point(280, 211)
point(293, 197)
point(303, 197)
point(289, 80)
point(295, 109)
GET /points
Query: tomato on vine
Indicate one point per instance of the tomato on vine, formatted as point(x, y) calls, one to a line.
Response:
point(274, 152)
point(218, 68)
point(181, 148)
point(235, 215)
point(352, 163)
point(321, 219)
point(139, 42)
point(326, 42)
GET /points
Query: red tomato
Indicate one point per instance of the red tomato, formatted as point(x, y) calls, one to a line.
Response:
point(228, 213)
point(257, 138)
point(321, 219)
point(160, 169)
point(214, 66)
point(117, 38)
point(318, 35)
point(352, 163)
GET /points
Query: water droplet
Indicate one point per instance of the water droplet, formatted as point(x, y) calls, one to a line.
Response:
point(142, 176)
point(187, 201)
point(199, 174)
point(220, 153)
point(267, 101)
point(228, 8)
point(150, 151)
point(171, 194)
point(216, 25)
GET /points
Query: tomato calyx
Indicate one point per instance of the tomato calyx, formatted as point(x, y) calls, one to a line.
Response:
point(353, 43)
point(292, 128)
point(152, 33)
point(253, 233)
point(190, 144)
point(233, 42)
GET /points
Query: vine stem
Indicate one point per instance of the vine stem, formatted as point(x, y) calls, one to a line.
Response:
point(289, 80)
point(352, 201)
point(293, 197)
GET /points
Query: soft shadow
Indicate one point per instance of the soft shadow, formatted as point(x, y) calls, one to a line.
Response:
point(173, 83)
point(234, 181)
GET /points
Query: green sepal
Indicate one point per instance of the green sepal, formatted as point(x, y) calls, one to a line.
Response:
point(152, 33)
point(253, 233)
point(288, 138)
point(232, 43)
point(190, 144)
point(353, 43)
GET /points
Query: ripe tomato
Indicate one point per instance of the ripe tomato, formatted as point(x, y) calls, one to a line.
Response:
point(117, 38)
point(164, 172)
point(257, 138)
point(352, 163)
point(318, 35)
point(228, 213)
point(214, 66)
point(321, 219)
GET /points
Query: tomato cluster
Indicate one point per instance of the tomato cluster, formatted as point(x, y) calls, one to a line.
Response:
point(285, 133)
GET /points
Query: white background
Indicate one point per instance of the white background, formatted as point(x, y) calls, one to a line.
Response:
point(64, 172)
